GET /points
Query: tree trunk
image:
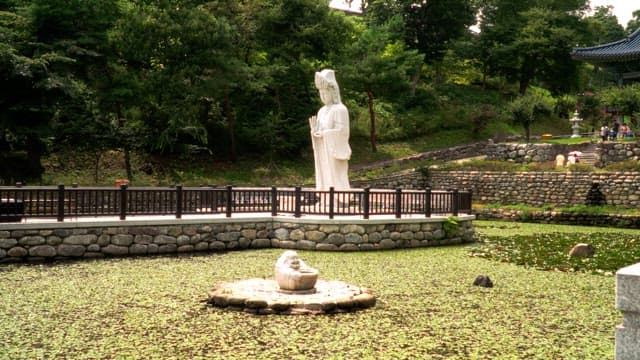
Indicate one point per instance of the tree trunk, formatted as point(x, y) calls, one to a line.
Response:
point(415, 79)
point(372, 116)
point(96, 170)
point(524, 85)
point(438, 78)
point(484, 75)
point(127, 162)
point(125, 144)
point(231, 126)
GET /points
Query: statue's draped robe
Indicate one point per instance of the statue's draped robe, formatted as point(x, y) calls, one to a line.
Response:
point(331, 150)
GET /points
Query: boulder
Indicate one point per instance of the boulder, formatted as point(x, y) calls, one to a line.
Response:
point(582, 250)
point(484, 281)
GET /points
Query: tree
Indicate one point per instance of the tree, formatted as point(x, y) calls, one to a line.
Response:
point(626, 99)
point(603, 26)
point(634, 23)
point(530, 107)
point(293, 40)
point(180, 60)
point(429, 27)
point(379, 65)
point(531, 41)
point(36, 84)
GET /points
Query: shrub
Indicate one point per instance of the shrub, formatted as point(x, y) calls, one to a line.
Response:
point(627, 165)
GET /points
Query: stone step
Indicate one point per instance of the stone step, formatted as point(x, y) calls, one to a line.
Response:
point(588, 158)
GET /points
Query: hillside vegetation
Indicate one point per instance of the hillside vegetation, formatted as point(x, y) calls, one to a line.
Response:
point(220, 92)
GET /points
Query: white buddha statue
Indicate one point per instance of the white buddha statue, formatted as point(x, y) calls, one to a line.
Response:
point(330, 135)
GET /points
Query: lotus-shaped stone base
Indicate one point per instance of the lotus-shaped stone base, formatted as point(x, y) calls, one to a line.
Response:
point(295, 281)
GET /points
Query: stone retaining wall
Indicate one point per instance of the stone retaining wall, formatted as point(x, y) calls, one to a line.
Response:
point(611, 152)
point(39, 242)
point(528, 188)
point(542, 188)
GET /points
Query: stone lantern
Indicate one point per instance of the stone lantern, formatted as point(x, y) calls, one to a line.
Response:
point(575, 127)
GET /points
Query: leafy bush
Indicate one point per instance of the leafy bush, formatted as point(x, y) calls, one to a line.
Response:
point(482, 165)
point(627, 165)
point(581, 167)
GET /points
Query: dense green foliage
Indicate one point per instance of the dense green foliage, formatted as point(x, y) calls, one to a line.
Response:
point(427, 308)
point(227, 80)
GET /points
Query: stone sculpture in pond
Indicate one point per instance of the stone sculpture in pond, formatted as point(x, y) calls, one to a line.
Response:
point(296, 290)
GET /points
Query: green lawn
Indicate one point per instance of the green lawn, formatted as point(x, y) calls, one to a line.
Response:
point(150, 308)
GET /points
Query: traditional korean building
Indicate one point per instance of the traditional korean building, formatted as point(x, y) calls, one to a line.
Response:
point(621, 57)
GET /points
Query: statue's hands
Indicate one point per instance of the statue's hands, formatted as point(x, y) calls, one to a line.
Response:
point(313, 123)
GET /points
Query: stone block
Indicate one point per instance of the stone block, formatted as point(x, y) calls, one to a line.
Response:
point(282, 234)
point(122, 240)
point(165, 239)
point(72, 250)
point(185, 248)
point(115, 250)
point(353, 238)
point(249, 233)
point(138, 249)
point(32, 240)
point(628, 301)
point(42, 251)
point(80, 239)
point(8, 243)
point(183, 240)
point(326, 247)
point(316, 236)
point(296, 235)
point(202, 246)
point(305, 245)
point(261, 243)
point(167, 248)
point(17, 252)
point(217, 245)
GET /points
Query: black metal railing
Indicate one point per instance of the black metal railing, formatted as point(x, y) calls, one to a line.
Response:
point(69, 202)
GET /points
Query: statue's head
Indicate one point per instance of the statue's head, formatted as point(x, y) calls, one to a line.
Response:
point(328, 86)
point(289, 259)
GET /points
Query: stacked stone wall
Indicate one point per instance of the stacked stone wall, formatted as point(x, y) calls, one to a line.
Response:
point(542, 188)
point(528, 188)
point(612, 152)
point(39, 242)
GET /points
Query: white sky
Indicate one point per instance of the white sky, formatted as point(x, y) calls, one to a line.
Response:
point(621, 8)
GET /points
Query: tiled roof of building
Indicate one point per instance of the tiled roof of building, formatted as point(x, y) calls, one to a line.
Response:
point(627, 49)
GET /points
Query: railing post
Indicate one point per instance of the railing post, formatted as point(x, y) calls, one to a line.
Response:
point(212, 199)
point(274, 201)
point(427, 202)
point(60, 202)
point(332, 204)
point(398, 203)
point(178, 201)
point(229, 202)
point(123, 201)
point(298, 200)
point(365, 202)
point(455, 199)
